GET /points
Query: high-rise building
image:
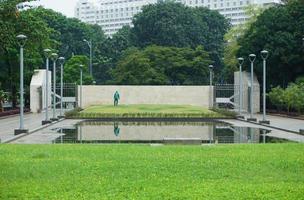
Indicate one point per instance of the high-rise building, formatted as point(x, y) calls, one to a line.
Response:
point(28, 5)
point(112, 15)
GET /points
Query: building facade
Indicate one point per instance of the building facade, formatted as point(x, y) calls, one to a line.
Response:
point(112, 15)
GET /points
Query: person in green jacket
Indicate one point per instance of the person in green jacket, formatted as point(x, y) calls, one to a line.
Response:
point(116, 98)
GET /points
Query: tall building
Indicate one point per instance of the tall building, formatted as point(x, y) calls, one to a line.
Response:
point(112, 15)
point(28, 5)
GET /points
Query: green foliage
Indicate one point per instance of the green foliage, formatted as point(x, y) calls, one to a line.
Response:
point(266, 171)
point(146, 111)
point(13, 23)
point(44, 29)
point(2, 98)
point(279, 30)
point(71, 113)
point(72, 70)
point(163, 65)
point(225, 112)
point(175, 25)
point(233, 45)
point(290, 98)
point(69, 33)
point(276, 97)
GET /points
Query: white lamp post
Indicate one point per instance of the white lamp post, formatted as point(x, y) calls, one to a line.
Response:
point(211, 74)
point(252, 59)
point(241, 61)
point(47, 54)
point(264, 55)
point(21, 41)
point(54, 57)
point(61, 62)
point(80, 97)
point(91, 55)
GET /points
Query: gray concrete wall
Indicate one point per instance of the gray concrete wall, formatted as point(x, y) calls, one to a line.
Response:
point(175, 95)
point(246, 92)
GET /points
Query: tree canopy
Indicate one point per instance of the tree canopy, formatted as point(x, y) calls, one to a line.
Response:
point(279, 30)
point(163, 66)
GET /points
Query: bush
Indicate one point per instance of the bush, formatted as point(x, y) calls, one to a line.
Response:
point(291, 98)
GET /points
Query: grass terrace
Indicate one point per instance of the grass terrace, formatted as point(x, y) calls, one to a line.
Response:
point(271, 171)
point(148, 111)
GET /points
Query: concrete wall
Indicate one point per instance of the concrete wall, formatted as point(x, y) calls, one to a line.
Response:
point(37, 90)
point(246, 91)
point(175, 95)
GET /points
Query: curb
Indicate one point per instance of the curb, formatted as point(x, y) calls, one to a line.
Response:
point(30, 132)
point(269, 126)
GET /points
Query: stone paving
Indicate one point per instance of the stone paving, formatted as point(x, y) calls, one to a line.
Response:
point(9, 124)
point(282, 122)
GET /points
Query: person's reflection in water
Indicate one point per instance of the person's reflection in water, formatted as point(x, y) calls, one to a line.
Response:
point(116, 129)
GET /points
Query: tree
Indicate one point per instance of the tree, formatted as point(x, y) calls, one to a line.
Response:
point(69, 34)
point(72, 70)
point(162, 66)
point(109, 52)
point(12, 23)
point(175, 25)
point(232, 38)
point(279, 30)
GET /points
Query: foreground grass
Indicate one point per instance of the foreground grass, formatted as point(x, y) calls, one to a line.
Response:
point(141, 111)
point(272, 171)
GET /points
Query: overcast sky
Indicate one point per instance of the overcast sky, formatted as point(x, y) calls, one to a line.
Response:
point(64, 6)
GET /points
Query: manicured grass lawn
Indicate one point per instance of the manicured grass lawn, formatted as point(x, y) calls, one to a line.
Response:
point(271, 171)
point(161, 111)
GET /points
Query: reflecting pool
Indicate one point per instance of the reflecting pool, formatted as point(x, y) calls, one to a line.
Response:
point(162, 132)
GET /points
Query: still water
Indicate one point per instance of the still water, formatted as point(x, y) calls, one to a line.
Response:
point(162, 132)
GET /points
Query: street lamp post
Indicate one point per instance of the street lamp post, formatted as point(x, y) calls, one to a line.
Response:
point(264, 55)
point(241, 61)
point(61, 62)
point(91, 55)
point(47, 54)
point(252, 59)
point(80, 96)
point(54, 57)
point(21, 40)
point(211, 74)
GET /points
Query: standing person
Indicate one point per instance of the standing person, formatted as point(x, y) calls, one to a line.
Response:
point(116, 98)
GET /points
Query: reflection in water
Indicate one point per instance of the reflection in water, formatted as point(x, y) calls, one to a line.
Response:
point(162, 132)
point(116, 129)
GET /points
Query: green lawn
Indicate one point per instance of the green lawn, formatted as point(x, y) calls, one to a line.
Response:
point(271, 171)
point(161, 111)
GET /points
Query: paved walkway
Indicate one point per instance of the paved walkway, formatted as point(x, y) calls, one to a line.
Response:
point(46, 135)
point(282, 122)
point(9, 124)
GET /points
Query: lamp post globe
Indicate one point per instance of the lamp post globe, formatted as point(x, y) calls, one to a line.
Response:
point(47, 54)
point(61, 61)
point(264, 55)
point(252, 58)
point(241, 60)
point(21, 41)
